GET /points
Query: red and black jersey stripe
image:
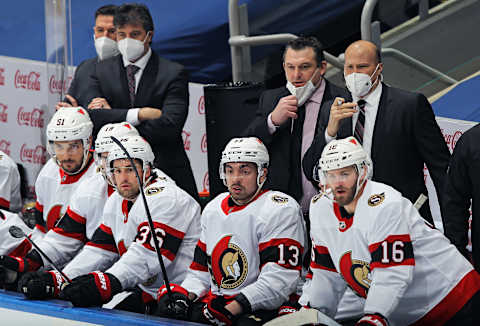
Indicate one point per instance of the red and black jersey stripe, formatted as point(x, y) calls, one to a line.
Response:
point(169, 239)
point(321, 259)
point(72, 225)
point(103, 238)
point(199, 262)
point(4, 204)
point(285, 252)
point(39, 221)
point(395, 250)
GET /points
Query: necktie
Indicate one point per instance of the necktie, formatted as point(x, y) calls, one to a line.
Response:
point(295, 154)
point(131, 71)
point(360, 125)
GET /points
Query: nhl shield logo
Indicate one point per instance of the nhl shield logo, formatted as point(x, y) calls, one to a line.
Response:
point(376, 199)
point(342, 225)
point(228, 264)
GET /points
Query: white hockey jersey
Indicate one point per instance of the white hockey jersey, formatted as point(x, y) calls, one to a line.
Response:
point(406, 270)
point(84, 215)
point(125, 232)
point(54, 189)
point(8, 244)
point(255, 249)
point(10, 197)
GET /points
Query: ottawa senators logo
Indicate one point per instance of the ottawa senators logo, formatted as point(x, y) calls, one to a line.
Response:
point(279, 199)
point(228, 264)
point(356, 273)
point(153, 190)
point(376, 199)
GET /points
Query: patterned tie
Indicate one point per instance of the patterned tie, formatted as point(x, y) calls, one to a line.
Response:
point(360, 126)
point(131, 71)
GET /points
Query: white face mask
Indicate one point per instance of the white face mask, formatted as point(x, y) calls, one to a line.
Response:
point(360, 84)
point(105, 47)
point(131, 49)
point(304, 92)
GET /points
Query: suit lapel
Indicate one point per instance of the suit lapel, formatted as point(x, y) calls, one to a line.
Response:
point(380, 121)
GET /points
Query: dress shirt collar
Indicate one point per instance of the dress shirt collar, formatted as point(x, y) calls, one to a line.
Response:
point(140, 63)
point(372, 99)
point(317, 96)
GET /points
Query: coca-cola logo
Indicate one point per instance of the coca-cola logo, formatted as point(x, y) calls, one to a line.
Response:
point(201, 105)
point(186, 139)
point(203, 144)
point(30, 81)
point(5, 146)
point(205, 182)
point(32, 118)
point(3, 113)
point(56, 86)
point(34, 155)
point(2, 76)
point(451, 139)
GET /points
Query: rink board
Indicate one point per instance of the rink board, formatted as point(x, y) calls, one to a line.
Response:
point(16, 310)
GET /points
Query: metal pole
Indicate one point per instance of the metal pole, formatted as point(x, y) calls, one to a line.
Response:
point(366, 19)
point(234, 27)
point(418, 64)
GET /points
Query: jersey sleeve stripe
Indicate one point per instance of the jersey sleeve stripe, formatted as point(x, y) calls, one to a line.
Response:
point(284, 252)
point(4, 203)
point(41, 228)
point(22, 249)
point(321, 259)
point(199, 262)
point(71, 227)
point(395, 250)
point(39, 206)
point(76, 217)
point(102, 238)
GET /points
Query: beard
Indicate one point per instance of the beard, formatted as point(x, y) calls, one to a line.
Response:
point(70, 166)
point(130, 193)
point(343, 195)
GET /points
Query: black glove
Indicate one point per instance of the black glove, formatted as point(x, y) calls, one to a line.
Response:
point(11, 267)
point(41, 285)
point(372, 319)
point(179, 308)
point(93, 289)
point(289, 307)
point(215, 312)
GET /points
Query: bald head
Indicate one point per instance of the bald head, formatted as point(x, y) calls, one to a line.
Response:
point(363, 57)
point(366, 49)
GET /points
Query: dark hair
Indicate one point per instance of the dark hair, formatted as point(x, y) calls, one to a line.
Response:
point(107, 10)
point(134, 14)
point(303, 42)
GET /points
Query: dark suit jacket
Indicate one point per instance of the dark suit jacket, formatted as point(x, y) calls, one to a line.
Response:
point(81, 81)
point(405, 137)
point(163, 85)
point(284, 174)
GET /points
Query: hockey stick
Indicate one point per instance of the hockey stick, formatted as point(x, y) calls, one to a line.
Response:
point(303, 317)
point(149, 218)
point(17, 232)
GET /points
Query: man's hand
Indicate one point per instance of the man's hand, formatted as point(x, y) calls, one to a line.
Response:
point(93, 289)
point(41, 285)
point(339, 111)
point(286, 108)
point(216, 313)
point(149, 114)
point(71, 99)
point(99, 103)
point(179, 308)
point(29, 263)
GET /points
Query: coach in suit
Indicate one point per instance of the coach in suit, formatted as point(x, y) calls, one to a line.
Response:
point(105, 39)
point(396, 127)
point(286, 117)
point(148, 91)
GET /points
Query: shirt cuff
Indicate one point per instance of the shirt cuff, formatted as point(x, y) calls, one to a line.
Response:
point(328, 138)
point(271, 127)
point(132, 117)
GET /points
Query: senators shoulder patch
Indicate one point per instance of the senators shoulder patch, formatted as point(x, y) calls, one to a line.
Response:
point(153, 190)
point(316, 198)
point(376, 199)
point(279, 199)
